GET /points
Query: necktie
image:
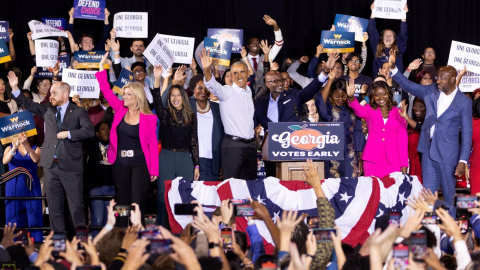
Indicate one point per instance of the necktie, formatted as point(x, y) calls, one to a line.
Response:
point(255, 64)
point(59, 124)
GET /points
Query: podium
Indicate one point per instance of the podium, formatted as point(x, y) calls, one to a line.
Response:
point(293, 170)
point(290, 170)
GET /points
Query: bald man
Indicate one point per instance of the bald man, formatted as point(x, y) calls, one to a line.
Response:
point(446, 135)
point(66, 125)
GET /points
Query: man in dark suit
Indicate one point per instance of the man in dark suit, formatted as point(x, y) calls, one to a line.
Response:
point(66, 125)
point(283, 106)
point(445, 150)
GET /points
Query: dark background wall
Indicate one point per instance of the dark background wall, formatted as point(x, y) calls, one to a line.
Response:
point(430, 22)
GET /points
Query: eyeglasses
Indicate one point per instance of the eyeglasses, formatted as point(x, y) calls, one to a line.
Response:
point(139, 71)
point(429, 52)
point(200, 88)
point(354, 61)
point(277, 81)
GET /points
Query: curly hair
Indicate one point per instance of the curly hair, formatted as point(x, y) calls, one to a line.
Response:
point(375, 86)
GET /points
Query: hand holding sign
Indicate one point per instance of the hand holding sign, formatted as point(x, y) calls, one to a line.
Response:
point(319, 50)
point(102, 62)
point(157, 71)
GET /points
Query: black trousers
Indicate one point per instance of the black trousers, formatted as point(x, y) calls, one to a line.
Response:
point(59, 183)
point(131, 185)
point(239, 159)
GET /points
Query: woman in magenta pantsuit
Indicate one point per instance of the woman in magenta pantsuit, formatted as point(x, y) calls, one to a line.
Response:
point(386, 150)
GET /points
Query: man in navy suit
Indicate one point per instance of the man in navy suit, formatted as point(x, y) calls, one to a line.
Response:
point(283, 106)
point(445, 150)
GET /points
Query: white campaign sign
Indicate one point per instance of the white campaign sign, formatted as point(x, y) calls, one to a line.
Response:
point(41, 30)
point(131, 24)
point(82, 83)
point(181, 47)
point(464, 55)
point(46, 52)
point(390, 9)
point(470, 82)
point(158, 53)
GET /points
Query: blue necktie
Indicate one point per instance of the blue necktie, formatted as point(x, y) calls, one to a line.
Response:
point(59, 125)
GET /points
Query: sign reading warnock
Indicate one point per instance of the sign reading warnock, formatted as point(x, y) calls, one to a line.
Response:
point(12, 125)
point(301, 141)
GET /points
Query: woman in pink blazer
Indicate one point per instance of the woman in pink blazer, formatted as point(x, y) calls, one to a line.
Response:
point(133, 147)
point(386, 150)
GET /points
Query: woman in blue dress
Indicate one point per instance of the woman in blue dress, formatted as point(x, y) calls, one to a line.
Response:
point(333, 107)
point(26, 213)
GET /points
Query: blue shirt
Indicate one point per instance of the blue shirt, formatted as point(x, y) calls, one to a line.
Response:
point(272, 112)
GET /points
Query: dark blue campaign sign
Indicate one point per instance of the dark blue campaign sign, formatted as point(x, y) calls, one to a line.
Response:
point(303, 140)
point(4, 31)
point(4, 53)
point(16, 123)
point(337, 41)
point(89, 59)
point(58, 23)
point(89, 9)
point(352, 24)
point(220, 50)
point(233, 35)
point(43, 72)
point(126, 76)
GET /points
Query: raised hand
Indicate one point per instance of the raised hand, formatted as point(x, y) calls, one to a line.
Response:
point(364, 88)
point(56, 70)
point(227, 211)
point(392, 58)
point(449, 226)
point(111, 219)
point(136, 216)
point(13, 80)
point(268, 20)
point(243, 52)
point(101, 65)
point(8, 235)
point(311, 175)
point(180, 73)
point(415, 64)
point(264, 46)
point(351, 88)
point(115, 45)
point(29, 35)
point(429, 197)
point(113, 33)
point(274, 66)
point(205, 59)
point(304, 59)
point(332, 58)
point(403, 111)
point(157, 71)
point(10, 33)
point(33, 70)
point(136, 254)
point(319, 50)
point(463, 71)
point(332, 28)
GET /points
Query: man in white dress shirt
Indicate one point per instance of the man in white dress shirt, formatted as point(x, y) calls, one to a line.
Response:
point(239, 154)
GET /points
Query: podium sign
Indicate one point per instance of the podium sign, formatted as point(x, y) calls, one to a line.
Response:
point(304, 140)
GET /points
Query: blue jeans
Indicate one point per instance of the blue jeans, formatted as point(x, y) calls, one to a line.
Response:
point(98, 208)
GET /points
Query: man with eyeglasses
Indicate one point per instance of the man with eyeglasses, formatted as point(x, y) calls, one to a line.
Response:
point(429, 64)
point(239, 153)
point(446, 137)
point(283, 106)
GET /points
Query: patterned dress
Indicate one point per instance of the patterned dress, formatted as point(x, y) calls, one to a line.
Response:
point(348, 167)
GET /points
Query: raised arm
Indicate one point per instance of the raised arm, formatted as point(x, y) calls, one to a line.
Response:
point(212, 85)
point(157, 94)
point(403, 35)
point(373, 32)
point(415, 89)
point(359, 110)
point(278, 37)
point(31, 43)
point(35, 108)
point(102, 79)
point(364, 52)
point(312, 88)
point(292, 72)
point(326, 89)
point(11, 47)
point(244, 53)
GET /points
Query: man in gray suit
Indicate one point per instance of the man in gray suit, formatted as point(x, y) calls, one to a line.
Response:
point(446, 136)
point(66, 125)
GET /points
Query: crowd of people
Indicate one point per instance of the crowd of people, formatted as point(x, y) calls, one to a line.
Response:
point(204, 122)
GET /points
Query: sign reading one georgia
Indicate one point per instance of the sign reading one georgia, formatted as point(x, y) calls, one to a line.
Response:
point(351, 24)
point(337, 41)
point(16, 123)
point(89, 9)
point(301, 141)
point(233, 35)
point(220, 50)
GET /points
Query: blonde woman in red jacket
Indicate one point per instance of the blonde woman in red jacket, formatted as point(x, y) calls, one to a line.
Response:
point(386, 150)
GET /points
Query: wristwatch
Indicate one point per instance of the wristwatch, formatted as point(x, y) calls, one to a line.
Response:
point(213, 245)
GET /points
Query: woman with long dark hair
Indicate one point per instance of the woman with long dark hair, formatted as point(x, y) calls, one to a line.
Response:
point(386, 150)
point(334, 99)
point(386, 41)
point(178, 136)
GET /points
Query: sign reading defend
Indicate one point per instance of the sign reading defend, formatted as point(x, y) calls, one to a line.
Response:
point(300, 141)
